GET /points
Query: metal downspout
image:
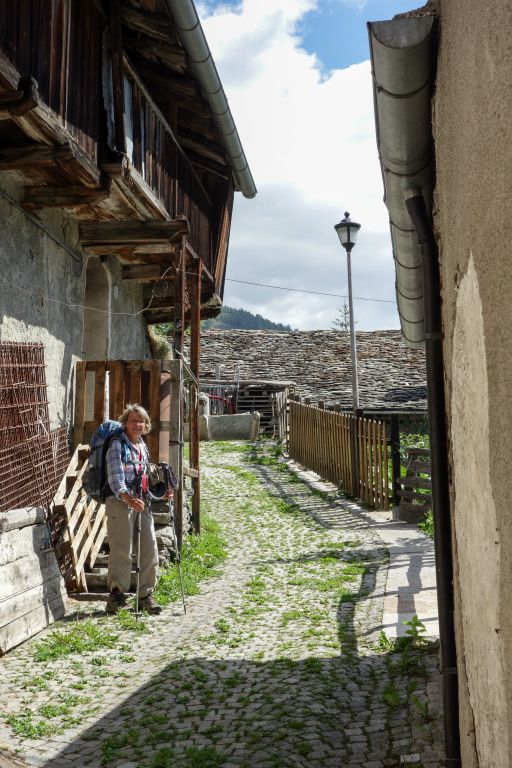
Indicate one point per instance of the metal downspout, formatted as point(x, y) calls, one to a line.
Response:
point(415, 204)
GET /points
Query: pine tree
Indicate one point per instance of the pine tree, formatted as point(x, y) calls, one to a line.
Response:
point(342, 321)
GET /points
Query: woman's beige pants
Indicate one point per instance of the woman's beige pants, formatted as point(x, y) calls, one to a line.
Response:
point(122, 541)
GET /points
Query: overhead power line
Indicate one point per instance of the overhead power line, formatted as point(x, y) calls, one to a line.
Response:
point(316, 293)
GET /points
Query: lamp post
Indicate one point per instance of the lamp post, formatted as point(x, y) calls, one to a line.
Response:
point(347, 232)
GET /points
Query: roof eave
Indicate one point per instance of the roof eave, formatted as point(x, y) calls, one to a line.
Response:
point(194, 41)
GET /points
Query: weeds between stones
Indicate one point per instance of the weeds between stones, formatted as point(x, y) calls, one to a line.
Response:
point(201, 557)
point(289, 624)
point(406, 666)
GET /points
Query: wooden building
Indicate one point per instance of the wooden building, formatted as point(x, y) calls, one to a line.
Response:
point(119, 160)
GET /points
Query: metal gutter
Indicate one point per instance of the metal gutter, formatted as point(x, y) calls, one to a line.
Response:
point(403, 65)
point(194, 41)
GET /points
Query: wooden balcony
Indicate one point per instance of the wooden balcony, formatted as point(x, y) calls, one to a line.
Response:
point(132, 142)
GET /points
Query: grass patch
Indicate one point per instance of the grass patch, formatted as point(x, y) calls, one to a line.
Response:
point(391, 696)
point(25, 727)
point(244, 474)
point(63, 706)
point(232, 446)
point(427, 526)
point(200, 558)
point(111, 749)
point(84, 637)
point(164, 758)
point(204, 757)
point(127, 620)
point(38, 682)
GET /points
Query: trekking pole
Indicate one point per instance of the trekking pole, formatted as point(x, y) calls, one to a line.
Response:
point(138, 527)
point(178, 556)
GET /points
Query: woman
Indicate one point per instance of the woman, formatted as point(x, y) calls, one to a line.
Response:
point(127, 474)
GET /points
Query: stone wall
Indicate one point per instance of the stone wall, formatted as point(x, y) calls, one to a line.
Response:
point(472, 118)
point(42, 290)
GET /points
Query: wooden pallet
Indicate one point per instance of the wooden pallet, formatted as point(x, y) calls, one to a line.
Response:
point(82, 523)
point(118, 382)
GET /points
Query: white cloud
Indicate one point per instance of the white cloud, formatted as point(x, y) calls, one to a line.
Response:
point(311, 147)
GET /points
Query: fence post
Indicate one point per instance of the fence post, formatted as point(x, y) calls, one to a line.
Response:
point(395, 456)
point(353, 450)
point(356, 468)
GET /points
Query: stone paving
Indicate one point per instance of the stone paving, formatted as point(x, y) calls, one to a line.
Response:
point(278, 663)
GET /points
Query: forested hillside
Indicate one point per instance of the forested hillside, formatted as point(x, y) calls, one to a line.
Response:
point(241, 319)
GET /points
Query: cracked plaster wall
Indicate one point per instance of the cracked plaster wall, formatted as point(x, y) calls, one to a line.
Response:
point(471, 122)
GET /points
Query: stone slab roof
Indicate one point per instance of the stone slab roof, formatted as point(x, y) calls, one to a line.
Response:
point(391, 376)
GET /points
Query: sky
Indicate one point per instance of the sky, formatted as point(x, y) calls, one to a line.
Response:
point(298, 81)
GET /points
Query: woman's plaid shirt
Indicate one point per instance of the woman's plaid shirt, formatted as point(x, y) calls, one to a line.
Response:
point(120, 475)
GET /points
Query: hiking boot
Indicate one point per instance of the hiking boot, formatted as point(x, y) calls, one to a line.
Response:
point(115, 601)
point(148, 604)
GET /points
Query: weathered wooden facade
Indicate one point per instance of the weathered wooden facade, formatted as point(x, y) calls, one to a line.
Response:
point(102, 115)
point(119, 160)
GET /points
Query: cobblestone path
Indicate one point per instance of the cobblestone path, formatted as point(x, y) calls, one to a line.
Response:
point(277, 663)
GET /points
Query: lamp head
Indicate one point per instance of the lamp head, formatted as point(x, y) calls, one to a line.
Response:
point(347, 232)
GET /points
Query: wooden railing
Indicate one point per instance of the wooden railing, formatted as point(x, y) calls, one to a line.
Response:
point(350, 452)
point(153, 149)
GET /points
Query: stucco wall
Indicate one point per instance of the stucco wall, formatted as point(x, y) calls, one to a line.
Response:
point(42, 288)
point(472, 119)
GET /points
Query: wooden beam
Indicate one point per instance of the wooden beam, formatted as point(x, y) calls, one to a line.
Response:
point(176, 442)
point(144, 253)
point(201, 124)
point(172, 56)
point(131, 236)
point(146, 273)
point(221, 251)
point(156, 319)
point(157, 302)
point(21, 101)
point(222, 171)
point(195, 341)
point(63, 196)
point(133, 231)
point(135, 191)
point(30, 155)
point(168, 82)
point(179, 300)
point(165, 411)
point(203, 147)
point(116, 40)
point(154, 25)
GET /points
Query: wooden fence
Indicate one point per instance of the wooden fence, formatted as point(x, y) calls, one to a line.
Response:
point(350, 452)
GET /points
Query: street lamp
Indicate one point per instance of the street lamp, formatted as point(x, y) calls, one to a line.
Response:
point(347, 232)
